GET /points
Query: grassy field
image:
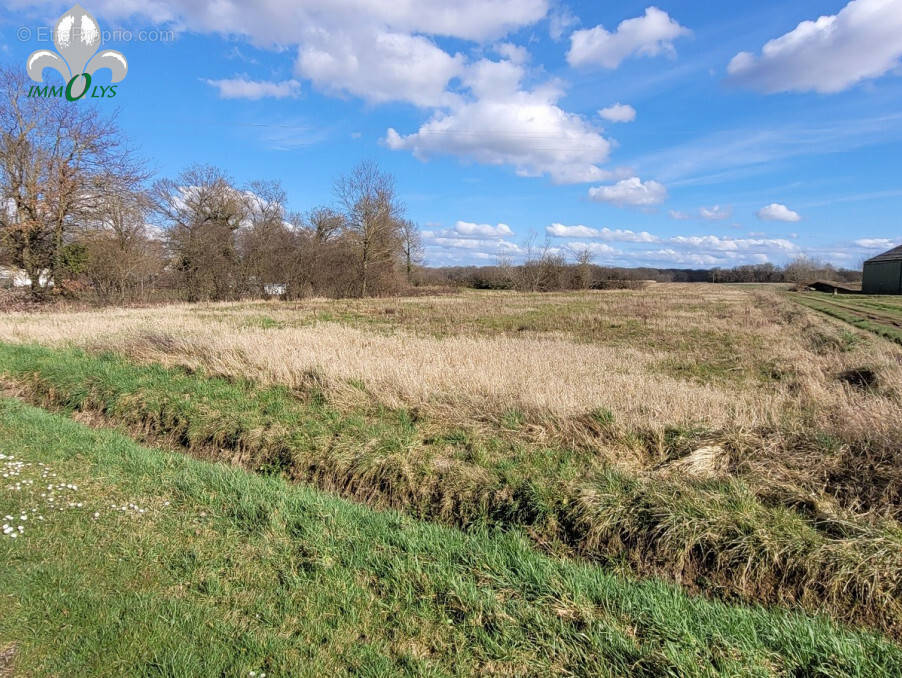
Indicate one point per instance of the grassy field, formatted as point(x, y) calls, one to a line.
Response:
point(138, 562)
point(706, 435)
point(881, 315)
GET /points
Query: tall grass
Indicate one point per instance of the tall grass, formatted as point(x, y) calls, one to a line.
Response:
point(705, 433)
point(717, 534)
point(227, 573)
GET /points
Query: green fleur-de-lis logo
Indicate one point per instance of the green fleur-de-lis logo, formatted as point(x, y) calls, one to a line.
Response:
point(77, 38)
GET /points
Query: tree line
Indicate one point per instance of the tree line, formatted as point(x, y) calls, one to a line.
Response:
point(547, 272)
point(79, 215)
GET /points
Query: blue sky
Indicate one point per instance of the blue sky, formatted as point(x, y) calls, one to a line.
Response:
point(667, 135)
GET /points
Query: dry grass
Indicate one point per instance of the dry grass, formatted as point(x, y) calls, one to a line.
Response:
point(671, 356)
point(746, 463)
point(742, 368)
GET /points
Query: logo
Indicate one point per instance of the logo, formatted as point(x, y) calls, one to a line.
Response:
point(78, 39)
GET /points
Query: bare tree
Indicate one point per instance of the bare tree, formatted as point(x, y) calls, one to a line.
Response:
point(124, 257)
point(411, 247)
point(542, 270)
point(583, 269)
point(325, 223)
point(373, 218)
point(58, 162)
point(201, 211)
point(265, 239)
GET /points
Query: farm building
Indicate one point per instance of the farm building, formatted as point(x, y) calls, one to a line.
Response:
point(883, 273)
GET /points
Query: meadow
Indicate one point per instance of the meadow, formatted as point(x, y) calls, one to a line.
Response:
point(705, 445)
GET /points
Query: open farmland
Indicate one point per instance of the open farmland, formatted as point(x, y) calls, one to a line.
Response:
point(705, 435)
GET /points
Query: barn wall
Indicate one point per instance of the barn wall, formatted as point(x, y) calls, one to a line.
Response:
point(882, 277)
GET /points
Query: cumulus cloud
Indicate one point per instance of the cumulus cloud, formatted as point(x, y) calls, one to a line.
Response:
point(672, 256)
point(827, 55)
point(280, 22)
point(560, 20)
point(502, 123)
point(876, 243)
point(713, 250)
point(617, 234)
point(647, 35)
point(630, 192)
point(594, 248)
point(513, 53)
point(379, 66)
point(393, 52)
point(475, 244)
point(679, 216)
point(242, 88)
point(777, 212)
point(618, 113)
point(482, 230)
point(715, 213)
point(379, 51)
point(469, 240)
point(714, 242)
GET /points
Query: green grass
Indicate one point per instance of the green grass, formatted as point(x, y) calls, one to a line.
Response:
point(719, 536)
point(228, 572)
point(854, 312)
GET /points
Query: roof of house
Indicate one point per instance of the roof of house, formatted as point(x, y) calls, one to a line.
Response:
point(894, 254)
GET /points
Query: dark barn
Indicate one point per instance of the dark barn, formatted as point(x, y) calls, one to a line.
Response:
point(883, 273)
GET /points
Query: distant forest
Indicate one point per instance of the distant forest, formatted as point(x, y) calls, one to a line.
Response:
point(553, 272)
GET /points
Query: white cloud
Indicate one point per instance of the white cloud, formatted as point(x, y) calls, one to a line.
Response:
point(828, 55)
point(560, 20)
point(777, 212)
point(876, 243)
point(618, 113)
point(468, 240)
point(488, 246)
point(379, 66)
point(377, 50)
point(561, 231)
point(595, 248)
point(618, 234)
point(513, 53)
point(632, 192)
point(281, 22)
point(679, 216)
point(501, 123)
point(647, 35)
point(713, 250)
point(466, 228)
point(672, 256)
point(714, 242)
point(242, 88)
point(384, 52)
point(716, 213)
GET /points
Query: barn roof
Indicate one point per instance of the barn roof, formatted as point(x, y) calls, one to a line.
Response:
point(894, 254)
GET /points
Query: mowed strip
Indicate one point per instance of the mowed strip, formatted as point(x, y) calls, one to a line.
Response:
point(160, 564)
point(882, 319)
